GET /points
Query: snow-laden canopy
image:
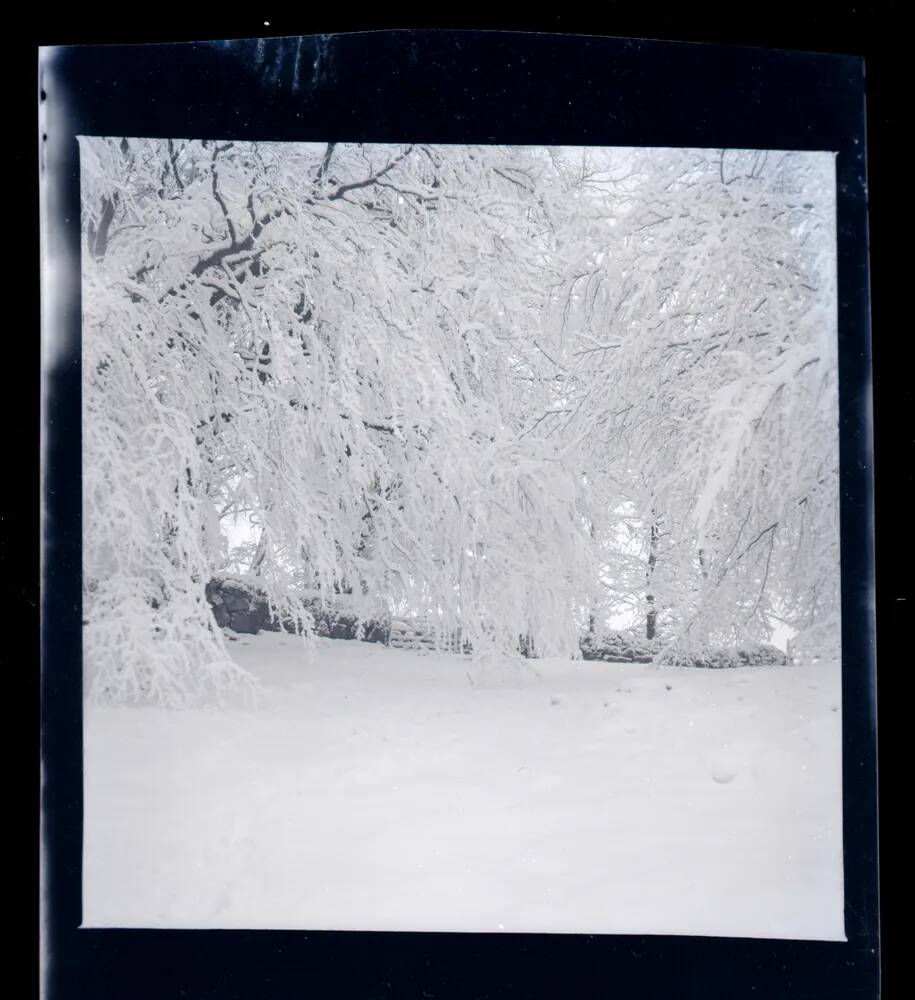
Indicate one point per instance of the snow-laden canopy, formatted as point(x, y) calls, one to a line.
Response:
point(514, 389)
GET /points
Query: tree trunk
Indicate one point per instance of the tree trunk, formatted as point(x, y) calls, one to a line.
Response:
point(651, 617)
point(260, 554)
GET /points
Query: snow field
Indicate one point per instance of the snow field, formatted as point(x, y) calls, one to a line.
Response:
point(380, 789)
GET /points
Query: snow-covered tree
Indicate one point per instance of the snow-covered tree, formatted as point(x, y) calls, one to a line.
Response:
point(706, 361)
point(338, 343)
point(518, 390)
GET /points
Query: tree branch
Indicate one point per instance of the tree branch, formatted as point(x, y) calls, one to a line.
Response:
point(325, 163)
point(355, 185)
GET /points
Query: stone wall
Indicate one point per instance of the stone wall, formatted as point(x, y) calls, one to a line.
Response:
point(241, 607)
point(618, 647)
point(627, 647)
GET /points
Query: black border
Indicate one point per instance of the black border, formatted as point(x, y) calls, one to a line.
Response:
point(459, 87)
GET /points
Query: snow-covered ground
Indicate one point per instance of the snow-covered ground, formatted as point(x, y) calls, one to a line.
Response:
point(379, 789)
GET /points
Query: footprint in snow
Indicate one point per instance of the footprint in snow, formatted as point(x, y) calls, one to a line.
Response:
point(723, 770)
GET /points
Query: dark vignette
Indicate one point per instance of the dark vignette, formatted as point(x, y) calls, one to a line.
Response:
point(454, 87)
